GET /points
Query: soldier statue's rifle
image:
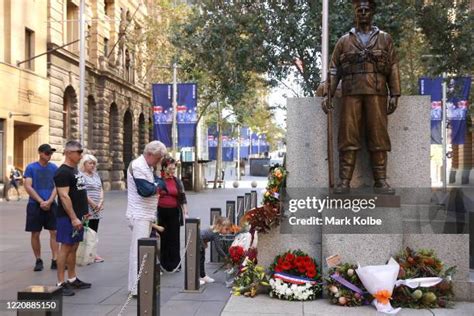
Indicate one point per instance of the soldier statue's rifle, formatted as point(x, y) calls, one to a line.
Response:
point(330, 136)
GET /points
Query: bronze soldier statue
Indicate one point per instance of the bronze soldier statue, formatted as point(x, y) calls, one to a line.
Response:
point(366, 62)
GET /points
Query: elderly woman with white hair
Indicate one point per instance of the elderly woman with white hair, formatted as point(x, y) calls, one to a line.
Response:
point(95, 192)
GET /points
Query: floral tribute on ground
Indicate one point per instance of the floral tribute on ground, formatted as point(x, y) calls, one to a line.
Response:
point(425, 265)
point(263, 218)
point(344, 287)
point(242, 252)
point(294, 276)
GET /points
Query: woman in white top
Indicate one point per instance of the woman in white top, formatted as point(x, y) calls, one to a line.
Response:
point(95, 192)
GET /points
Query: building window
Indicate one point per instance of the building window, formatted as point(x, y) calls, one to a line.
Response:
point(72, 26)
point(106, 46)
point(29, 49)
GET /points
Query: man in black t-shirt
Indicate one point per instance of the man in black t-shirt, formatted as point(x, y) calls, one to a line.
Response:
point(72, 207)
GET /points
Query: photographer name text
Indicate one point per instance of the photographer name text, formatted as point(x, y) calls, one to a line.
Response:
point(335, 221)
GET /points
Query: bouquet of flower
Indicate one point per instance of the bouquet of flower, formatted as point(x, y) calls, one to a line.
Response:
point(275, 183)
point(250, 278)
point(379, 282)
point(294, 276)
point(425, 266)
point(344, 287)
point(242, 251)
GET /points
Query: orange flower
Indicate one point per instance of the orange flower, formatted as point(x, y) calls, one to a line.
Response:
point(383, 296)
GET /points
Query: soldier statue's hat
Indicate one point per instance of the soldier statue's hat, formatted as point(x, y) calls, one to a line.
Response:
point(357, 3)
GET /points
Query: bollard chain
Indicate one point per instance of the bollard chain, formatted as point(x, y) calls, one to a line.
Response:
point(140, 272)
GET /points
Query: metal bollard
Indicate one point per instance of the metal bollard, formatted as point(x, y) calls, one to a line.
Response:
point(191, 272)
point(230, 210)
point(247, 202)
point(240, 208)
point(253, 199)
point(149, 283)
point(50, 299)
point(214, 254)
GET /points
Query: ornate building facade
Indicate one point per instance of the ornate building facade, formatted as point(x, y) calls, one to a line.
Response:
point(117, 107)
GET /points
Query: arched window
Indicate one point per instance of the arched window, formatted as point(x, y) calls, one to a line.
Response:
point(69, 100)
point(113, 127)
point(141, 133)
point(127, 140)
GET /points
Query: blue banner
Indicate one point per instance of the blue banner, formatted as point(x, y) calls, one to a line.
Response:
point(162, 112)
point(458, 90)
point(187, 114)
point(457, 105)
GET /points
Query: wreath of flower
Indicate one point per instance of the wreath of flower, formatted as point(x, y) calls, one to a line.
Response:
point(344, 287)
point(418, 264)
point(295, 276)
point(264, 217)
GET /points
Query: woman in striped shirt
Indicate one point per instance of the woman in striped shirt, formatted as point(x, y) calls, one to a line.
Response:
point(95, 193)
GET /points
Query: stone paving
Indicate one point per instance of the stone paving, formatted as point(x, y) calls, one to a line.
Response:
point(109, 279)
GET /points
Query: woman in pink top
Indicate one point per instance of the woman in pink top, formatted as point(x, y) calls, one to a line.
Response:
point(171, 213)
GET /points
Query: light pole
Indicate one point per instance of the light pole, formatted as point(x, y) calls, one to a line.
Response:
point(82, 68)
point(325, 41)
point(444, 133)
point(174, 128)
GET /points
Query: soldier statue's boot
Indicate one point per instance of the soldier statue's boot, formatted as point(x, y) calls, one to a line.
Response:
point(347, 161)
point(379, 169)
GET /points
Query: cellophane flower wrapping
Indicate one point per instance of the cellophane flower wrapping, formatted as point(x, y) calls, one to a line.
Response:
point(380, 281)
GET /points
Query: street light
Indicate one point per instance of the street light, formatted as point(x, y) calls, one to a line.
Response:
point(444, 131)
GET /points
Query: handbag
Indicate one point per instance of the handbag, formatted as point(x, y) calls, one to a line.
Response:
point(87, 249)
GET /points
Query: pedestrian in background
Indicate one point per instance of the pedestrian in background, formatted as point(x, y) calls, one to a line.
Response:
point(141, 202)
point(41, 208)
point(15, 180)
point(95, 193)
point(172, 210)
point(72, 207)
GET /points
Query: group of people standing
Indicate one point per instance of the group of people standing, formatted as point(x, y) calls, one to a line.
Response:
point(64, 199)
point(59, 199)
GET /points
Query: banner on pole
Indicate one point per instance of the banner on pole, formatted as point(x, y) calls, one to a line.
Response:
point(458, 90)
point(162, 112)
point(187, 114)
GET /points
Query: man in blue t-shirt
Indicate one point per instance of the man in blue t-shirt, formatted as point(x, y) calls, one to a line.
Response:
point(41, 209)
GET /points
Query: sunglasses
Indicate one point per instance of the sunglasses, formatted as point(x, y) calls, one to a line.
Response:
point(48, 153)
point(79, 151)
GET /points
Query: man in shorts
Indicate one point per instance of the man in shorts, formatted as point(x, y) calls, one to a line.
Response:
point(72, 207)
point(41, 208)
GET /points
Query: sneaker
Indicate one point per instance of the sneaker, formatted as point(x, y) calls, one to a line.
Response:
point(208, 279)
point(98, 259)
point(201, 282)
point(67, 289)
point(78, 284)
point(38, 265)
point(54, 265)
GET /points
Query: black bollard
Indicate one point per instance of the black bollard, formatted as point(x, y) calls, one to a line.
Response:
point(253, 199)
point(214, 254)
point(191, 272)
point(240, 208)
point(47, 301)
point(149, 283)
point(247, 202)
point(230, 210)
